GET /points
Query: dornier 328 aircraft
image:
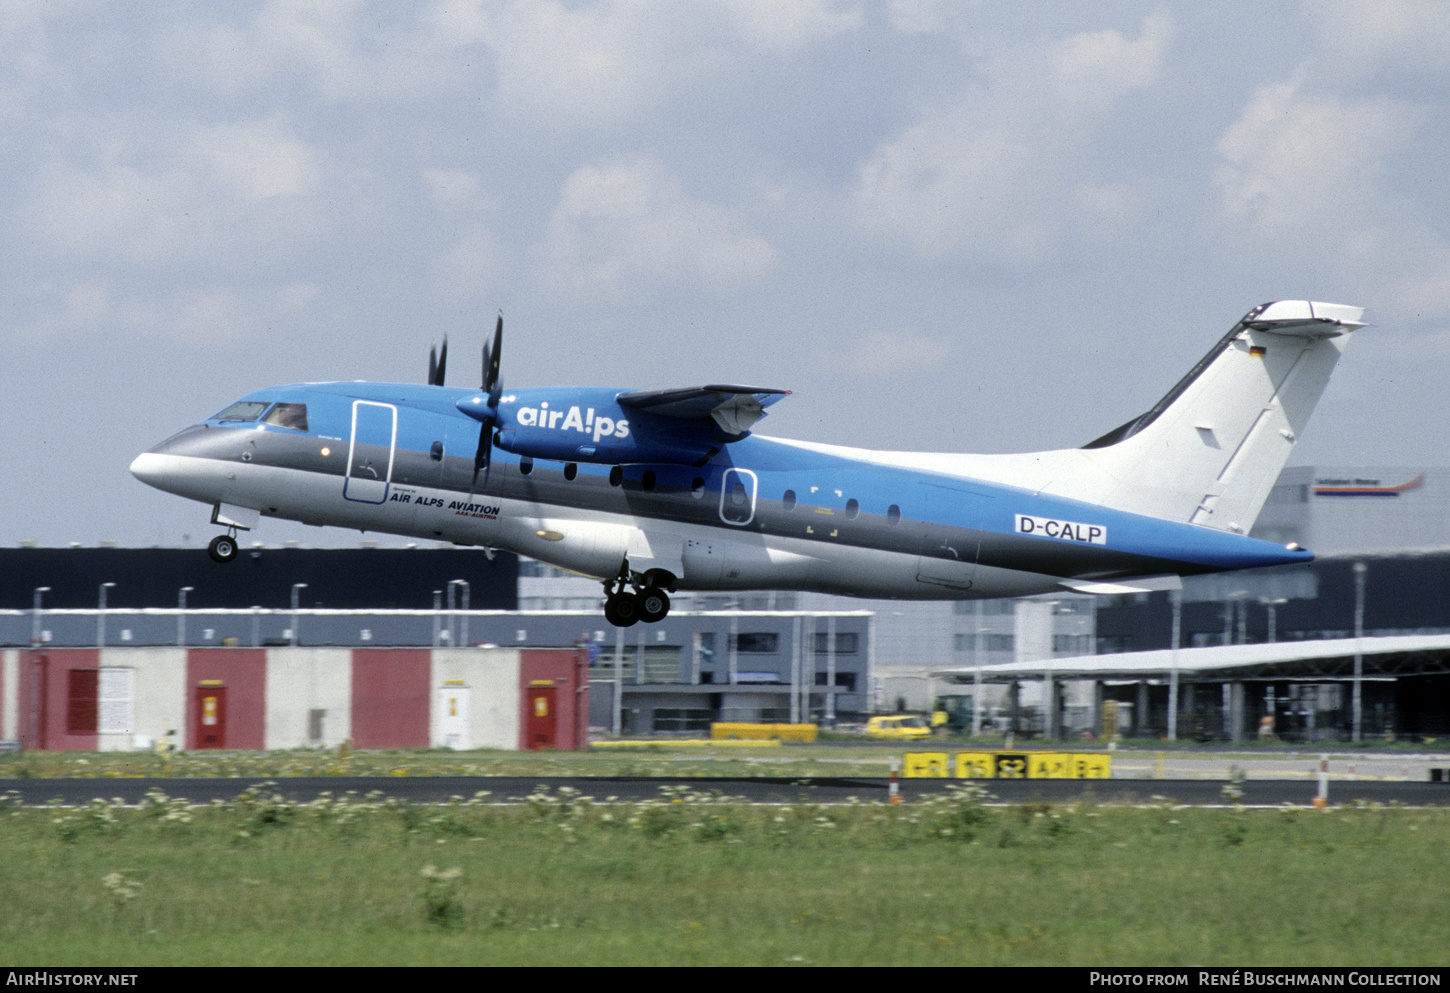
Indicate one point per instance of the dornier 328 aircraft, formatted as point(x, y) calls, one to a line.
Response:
point(654, 491)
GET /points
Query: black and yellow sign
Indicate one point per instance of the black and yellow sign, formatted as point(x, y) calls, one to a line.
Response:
point(1007, 765)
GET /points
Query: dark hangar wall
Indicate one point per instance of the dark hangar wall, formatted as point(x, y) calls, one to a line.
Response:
point(382, 578)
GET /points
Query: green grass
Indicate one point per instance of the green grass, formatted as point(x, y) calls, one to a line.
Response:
point(653, 759)
point(692, 879)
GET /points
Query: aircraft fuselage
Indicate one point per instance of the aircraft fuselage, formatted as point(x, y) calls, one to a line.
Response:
point(753, 513)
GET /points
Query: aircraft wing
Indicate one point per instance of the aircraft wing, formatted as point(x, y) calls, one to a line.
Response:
point(735, 409)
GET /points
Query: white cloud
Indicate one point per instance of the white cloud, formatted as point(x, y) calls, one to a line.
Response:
point(1303, 182)
point(623, 228)
point(204, 317)
point(213, 193)
point(571, 65)
point(1294, 161)
point(918, 16)
point(1398, 35)
point(776, 24)
point(258, 161)
point(343, 50)
point(1005, 170)
point(1100, 66)
point(947, 182)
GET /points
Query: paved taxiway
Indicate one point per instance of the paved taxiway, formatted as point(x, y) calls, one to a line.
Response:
point(513, 789)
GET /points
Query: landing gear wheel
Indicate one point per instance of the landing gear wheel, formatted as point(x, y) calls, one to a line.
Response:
point(223, 548)
point(653, 605)
point(621, 609)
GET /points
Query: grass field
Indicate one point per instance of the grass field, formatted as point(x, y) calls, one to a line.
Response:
point(696, 879)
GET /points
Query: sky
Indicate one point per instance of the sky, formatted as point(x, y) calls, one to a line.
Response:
point(950, 226)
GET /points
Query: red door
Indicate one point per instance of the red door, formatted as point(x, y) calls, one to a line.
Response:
point(211, 717)
point(541, 717)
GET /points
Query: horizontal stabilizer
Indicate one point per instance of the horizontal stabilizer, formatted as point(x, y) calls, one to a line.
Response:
point(735, 409)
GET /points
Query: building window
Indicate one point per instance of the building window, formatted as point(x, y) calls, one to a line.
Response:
point(757, 643)
point(844, 680)
point(1071, 644)
point(846, 642)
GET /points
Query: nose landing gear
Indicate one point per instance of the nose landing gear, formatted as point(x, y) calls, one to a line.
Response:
point(645, 600)
point(223, 547)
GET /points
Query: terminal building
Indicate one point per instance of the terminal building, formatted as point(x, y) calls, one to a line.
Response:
point(1383, 536)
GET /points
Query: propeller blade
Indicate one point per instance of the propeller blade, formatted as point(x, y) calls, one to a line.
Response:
point(491, 361)
point(437, 363)
point(483, 457)
point(493, 383)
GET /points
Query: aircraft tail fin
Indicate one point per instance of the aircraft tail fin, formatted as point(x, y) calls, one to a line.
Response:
point(1212, 448)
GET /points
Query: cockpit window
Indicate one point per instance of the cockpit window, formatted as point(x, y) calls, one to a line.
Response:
point(242, 410)
point(288, 415)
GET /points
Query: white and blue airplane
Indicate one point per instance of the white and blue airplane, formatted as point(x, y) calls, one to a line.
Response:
point(654, 491)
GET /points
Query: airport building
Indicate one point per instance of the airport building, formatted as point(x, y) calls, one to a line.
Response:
point(318, 637)
point(1383, 535)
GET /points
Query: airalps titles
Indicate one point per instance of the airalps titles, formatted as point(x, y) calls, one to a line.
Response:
point(1092, 534)
point(574, 420)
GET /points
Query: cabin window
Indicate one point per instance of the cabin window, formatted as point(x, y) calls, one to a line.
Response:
point(697, 488)
point(242, 410)
point(526, 465)
point(616, 476)
point(788, 501)
point(737, 493)
point(436, 451)
point(853, 507)
point(571, 469)
point(648, 480)
point(288, 415)
point(893, 514)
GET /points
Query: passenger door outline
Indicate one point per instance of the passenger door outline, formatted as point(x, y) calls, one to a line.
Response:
point(738, 508)
point(373, 424)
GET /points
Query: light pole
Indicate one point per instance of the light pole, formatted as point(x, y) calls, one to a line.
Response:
point(453, 638)
point(1173, 670)
point(101, 616)
point(467, 589)
point(181, 615)
point(1359, 571)
point(1272, 605)
point(35, 631)
point(297, 588)
point(977, 669)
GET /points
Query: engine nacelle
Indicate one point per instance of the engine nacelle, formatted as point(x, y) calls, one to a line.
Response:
point(588, 425)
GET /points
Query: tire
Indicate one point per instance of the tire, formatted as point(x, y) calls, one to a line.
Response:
point(621, 610)
point(654, 604)
point(223, 548)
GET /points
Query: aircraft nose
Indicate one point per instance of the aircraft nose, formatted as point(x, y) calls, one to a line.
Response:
point(149, 467)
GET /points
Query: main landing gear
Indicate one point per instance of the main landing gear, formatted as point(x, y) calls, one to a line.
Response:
point(645, 600)
point(223, 547)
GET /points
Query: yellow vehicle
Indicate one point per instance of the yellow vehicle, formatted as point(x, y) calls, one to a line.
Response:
point(898, 727)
